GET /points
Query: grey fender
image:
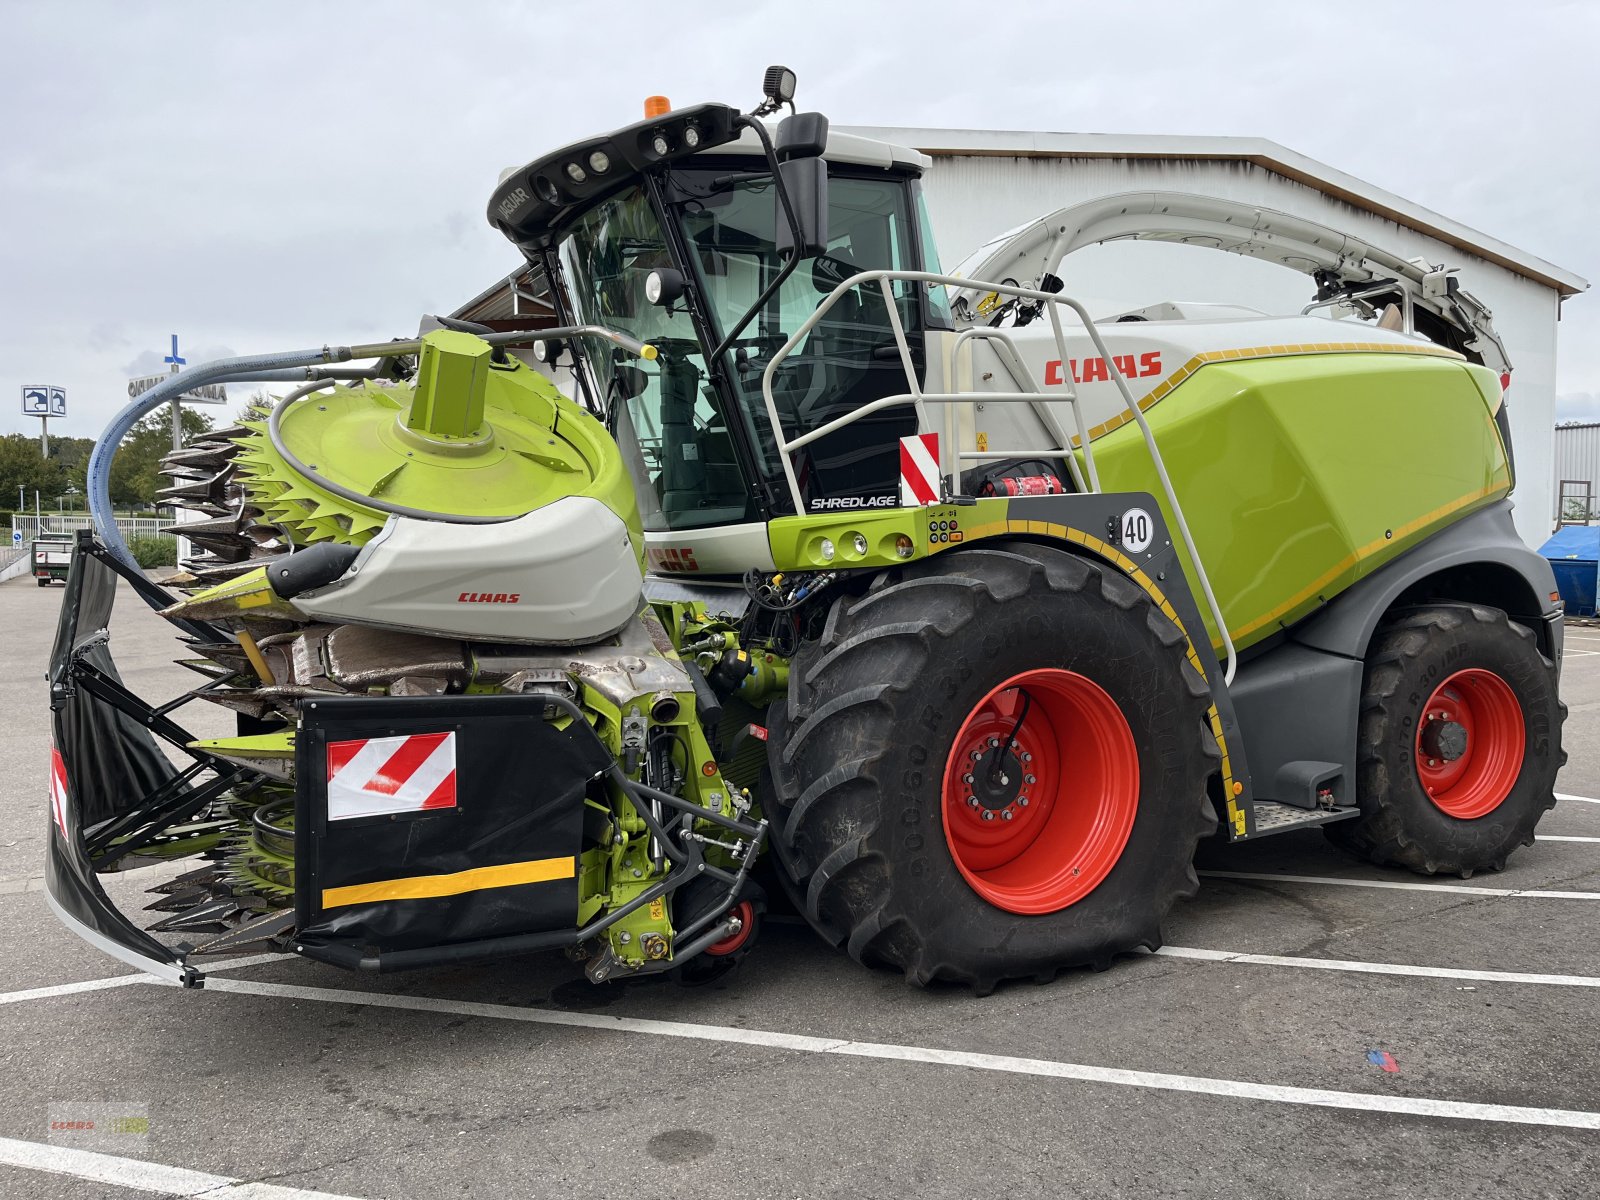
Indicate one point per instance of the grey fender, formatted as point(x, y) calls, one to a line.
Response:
point(1479, 560)
point(1298, 703)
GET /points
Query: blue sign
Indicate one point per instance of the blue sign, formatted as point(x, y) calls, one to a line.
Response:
point(173, 357)
point(42, 400)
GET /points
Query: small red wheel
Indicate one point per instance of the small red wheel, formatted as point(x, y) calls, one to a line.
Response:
point(1470, 744)
point(746, 912)
point(1040, 791)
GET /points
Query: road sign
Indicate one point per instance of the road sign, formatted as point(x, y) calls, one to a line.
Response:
point(16, 537)
point(42, 400)
point(204, 393)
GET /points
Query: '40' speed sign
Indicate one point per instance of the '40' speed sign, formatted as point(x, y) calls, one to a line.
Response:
point(1136, 531)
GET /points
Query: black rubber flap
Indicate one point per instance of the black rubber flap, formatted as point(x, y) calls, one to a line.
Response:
point(103, 765)
point(493, 854)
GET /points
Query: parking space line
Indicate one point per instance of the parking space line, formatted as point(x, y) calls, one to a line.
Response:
point(1565, 837)
point(1376, 968)
point(1582, 799)
point(925, 1055)
point(145, 1176)
point(1402, 885)
point(115, 981)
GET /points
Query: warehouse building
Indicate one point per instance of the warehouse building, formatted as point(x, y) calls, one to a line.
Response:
point(1577, 470)
point(983, 182)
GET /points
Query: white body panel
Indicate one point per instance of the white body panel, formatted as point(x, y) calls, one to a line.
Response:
point(1147, 352)
point(723, 550)
point(564, 574)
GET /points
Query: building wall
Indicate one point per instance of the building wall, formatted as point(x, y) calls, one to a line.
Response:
point(973, 198)
point(1577, 456)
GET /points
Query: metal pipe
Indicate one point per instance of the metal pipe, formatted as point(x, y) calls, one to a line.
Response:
point(258, 368)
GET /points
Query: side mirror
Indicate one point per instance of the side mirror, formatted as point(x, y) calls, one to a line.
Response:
point(806, 182)
point(628, 381)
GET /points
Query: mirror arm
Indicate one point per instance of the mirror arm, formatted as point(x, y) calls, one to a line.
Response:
point(797, 238)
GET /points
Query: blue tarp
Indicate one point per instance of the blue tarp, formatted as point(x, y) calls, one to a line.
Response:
point(1574, 554)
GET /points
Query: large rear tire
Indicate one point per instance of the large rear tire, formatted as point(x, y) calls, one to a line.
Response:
point(992, 765)
point(1458, 745)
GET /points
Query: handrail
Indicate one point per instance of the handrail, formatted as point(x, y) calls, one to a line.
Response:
point(916, 397)
point(1011, 359)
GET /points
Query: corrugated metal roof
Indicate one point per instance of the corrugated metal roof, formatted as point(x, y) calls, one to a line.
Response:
point(1012, 143)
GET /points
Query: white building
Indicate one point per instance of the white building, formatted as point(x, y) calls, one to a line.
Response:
point(983, 182)
point(1577, 470)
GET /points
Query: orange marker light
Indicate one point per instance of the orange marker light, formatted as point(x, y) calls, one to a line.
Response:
point(656, 106)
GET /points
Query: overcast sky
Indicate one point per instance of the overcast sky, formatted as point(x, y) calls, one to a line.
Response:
point(282, 175)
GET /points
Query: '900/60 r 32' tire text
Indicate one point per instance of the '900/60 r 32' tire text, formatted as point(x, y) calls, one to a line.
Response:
point(993, 766)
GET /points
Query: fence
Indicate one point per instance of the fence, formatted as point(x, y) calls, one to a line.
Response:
point(31, 527)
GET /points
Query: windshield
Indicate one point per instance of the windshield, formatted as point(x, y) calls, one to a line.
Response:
point(664, 413)
point(849, 358)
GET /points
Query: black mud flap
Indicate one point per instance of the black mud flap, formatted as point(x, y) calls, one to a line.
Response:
point(106, 771)
point(439, 829)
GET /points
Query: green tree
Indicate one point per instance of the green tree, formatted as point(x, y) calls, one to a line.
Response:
point(135, 471)
point(22, 466)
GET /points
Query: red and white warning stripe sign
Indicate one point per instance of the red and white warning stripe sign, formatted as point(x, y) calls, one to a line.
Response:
point(919, 469)
point(58, 791)
point(374, 776)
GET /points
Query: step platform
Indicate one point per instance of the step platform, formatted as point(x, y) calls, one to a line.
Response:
point(1272, 817)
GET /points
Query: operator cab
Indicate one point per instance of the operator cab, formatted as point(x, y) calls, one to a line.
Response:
point(712, 239)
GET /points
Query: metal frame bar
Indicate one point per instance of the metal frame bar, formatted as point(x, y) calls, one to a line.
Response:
point(1408, 312)
point(1052, 303)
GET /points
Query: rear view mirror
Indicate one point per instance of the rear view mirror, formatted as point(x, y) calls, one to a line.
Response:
point(806, 182)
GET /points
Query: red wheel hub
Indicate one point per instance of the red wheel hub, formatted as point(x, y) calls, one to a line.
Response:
point(1040, 791)
point(1470, 744)
point(746, 912)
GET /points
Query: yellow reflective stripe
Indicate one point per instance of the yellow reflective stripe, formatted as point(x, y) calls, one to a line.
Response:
point(424, 887)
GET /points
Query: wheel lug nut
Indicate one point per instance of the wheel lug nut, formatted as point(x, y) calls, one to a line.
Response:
point(972, 802)
point(1022, 800)
point(988, 815)
point(1029, 779)
point(1027, 758)
point(1006, 815)
point(967, 778)
point(994, 743)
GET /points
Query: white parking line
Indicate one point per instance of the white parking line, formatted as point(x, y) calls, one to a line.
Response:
point(146, 1176)
point(1559, 837)
point(116, 981)
point(1376, 968)
point(1403, 885)
point(1570, 796)
point(1049, 1068)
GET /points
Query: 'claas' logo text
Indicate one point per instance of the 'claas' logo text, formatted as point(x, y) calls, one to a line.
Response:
point(488, 597)
point(1093, 370)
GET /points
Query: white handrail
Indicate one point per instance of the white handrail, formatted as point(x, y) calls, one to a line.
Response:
point(915, 396)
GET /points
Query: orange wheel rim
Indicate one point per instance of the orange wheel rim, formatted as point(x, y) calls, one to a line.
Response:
point(1040, 792)
point(1470, 744)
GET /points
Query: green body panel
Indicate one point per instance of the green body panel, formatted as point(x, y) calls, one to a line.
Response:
point(1301, 475)
point(796, 542)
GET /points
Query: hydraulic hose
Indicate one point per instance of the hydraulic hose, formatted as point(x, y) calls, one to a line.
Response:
point(293, 365)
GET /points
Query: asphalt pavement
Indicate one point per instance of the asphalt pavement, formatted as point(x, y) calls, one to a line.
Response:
point(1313, 1036)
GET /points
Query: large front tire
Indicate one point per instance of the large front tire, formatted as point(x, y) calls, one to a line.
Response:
point(1025, 683)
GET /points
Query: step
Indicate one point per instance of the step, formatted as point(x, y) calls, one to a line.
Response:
point(1272, 817)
